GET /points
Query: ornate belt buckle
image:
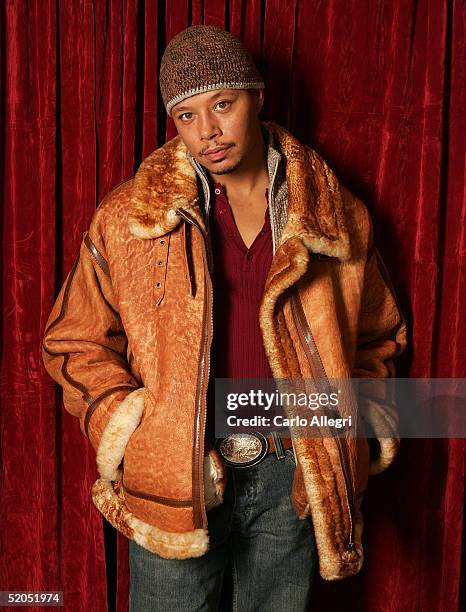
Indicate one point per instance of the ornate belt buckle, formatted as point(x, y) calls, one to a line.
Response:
point(242, 450)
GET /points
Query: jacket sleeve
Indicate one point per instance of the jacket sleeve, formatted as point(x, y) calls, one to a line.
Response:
point(84, 344)
point(381, 338)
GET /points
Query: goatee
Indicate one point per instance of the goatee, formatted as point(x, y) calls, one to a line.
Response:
point(226, 170)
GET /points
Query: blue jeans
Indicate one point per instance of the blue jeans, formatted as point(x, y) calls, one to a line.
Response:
point(256, 533)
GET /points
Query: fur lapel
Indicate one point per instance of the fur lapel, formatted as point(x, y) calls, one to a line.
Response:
point(166, 180)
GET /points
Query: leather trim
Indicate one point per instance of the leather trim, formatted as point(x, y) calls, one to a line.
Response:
point(166, 501)
point(286, 444)
point(318, 372)
point(185, 247)
point(97, 255)
point(170, 545)
point(197, 464)
point(66, 298)
point(96, 402)
point(87, 397)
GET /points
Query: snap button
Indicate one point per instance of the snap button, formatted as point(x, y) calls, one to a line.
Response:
point(217, 190)
point(160, 263)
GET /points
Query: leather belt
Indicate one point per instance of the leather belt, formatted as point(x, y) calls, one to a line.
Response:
point(286, 443)
point(248, 449)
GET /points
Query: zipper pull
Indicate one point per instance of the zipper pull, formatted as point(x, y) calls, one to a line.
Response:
point(348, 555)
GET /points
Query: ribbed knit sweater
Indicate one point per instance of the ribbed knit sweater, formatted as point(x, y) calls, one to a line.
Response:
point(238, 280)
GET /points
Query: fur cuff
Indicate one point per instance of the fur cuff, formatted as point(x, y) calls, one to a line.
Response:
point(383, 419)
point(167, 544)
point(119, 430)
point(388, 451)
point(117, 433)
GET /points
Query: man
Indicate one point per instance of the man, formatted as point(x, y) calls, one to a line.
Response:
point(233, 252)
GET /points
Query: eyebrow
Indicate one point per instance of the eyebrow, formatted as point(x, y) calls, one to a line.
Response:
point(216, 95)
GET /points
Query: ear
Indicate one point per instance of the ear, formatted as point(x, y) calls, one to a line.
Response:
point(260, 99)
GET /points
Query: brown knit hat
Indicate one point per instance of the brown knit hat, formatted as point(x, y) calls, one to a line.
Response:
point(202, 58)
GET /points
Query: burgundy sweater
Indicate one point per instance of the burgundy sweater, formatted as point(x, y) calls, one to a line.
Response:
point(238, 282)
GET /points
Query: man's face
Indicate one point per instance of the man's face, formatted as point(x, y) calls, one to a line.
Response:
point(224, 119)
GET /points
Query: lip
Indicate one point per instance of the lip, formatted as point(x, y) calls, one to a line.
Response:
point(217, 153)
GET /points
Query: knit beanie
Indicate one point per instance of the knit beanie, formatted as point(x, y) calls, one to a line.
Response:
point(202, 58)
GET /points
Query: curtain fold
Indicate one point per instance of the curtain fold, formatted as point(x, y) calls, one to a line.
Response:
point(378, 89)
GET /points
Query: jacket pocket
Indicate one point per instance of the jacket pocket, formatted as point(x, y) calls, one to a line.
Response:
point(138, 463)
point(117, 433)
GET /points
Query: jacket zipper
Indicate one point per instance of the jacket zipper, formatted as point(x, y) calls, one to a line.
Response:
point(271, 188)
point(317, 367)
point(200, 517)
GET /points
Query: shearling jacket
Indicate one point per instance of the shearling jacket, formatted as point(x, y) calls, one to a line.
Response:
point(128, 339)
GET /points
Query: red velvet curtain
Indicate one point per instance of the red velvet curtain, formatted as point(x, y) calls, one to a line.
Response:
point(378, 88)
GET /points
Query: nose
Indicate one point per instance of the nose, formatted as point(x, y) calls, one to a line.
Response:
point(208, 127)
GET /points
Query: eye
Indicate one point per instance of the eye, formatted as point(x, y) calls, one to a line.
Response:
point(184, 115)
point(226, 103)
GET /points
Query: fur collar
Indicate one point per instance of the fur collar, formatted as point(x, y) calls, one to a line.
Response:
point(166, 180)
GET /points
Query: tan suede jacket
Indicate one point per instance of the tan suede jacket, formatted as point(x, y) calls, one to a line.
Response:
point(128, 340)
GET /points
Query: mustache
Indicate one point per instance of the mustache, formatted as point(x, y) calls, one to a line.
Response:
point(219, 145)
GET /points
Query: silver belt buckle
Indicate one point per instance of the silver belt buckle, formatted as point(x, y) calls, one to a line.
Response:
point(242, 450)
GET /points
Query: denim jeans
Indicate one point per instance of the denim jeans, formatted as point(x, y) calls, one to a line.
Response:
point(256, 533)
